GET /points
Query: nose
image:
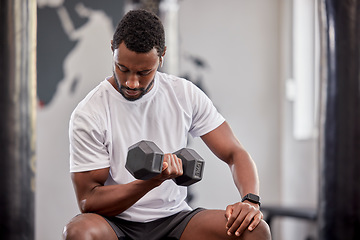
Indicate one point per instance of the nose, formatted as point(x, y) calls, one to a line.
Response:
point(132, 82)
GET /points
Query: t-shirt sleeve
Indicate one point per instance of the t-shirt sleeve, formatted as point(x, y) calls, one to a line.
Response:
point(205, 115)
point(88, 150)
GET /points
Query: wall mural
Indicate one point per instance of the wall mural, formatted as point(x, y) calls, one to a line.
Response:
point(60, 30)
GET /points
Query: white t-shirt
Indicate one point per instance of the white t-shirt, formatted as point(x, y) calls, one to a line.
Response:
point(105, 124)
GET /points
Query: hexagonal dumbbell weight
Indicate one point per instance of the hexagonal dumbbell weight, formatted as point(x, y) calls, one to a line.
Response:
point(145, 160)
point(193, 166)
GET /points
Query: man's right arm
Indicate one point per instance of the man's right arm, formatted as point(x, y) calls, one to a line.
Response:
point(93, 196)
point(111, 200)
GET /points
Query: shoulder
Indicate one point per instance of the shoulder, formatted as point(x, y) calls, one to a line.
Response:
point(178, 84)
point(93, 104)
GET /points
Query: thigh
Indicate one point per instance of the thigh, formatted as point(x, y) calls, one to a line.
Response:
point(211, 225)
point(89, 226)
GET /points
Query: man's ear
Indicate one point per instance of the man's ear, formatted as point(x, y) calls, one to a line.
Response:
point(162, 57)
point(112, 47)
point(164, 52)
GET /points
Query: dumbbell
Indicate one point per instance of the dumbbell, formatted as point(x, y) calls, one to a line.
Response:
point(145, 161)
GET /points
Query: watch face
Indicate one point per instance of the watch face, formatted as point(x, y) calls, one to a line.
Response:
point(254, 197)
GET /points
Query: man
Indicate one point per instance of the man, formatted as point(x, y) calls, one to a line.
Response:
point(139, 103)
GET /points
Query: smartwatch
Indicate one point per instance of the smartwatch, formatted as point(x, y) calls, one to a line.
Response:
point(251, 198)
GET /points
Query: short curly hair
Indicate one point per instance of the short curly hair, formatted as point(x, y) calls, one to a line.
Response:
point(141, 31)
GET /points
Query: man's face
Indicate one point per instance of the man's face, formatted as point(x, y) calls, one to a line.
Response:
point(134, 72)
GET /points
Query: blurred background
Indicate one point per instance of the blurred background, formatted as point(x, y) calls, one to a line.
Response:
point(284, 74)
point(240, 52)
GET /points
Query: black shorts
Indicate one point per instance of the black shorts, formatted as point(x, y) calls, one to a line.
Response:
point(164, 228)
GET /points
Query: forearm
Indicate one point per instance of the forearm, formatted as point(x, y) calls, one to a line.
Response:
point(244, 173)
point(112, 200)
point(227, 147)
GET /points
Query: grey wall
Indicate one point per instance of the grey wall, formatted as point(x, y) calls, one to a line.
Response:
point(240, 42)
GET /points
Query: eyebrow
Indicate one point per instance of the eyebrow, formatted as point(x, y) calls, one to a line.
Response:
point(120, 65)
point(146, 70)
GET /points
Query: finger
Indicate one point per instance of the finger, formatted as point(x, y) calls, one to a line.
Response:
point(243, 219)
point(238, 224)
point(168, 163)
point(255, 221)
point(236, 210)
point(180, 165)
point(174, 168)
point(228, 212)
point(176, 164)
point(165, 166)
point(247, 220)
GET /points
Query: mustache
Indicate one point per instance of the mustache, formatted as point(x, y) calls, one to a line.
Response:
point(132, 89)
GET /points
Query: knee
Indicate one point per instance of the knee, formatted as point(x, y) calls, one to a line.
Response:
point(81, 228)
point(262, 231)
point(70, 232)
point(76, 231)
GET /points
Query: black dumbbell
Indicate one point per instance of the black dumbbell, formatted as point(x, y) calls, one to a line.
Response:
point(145, 161)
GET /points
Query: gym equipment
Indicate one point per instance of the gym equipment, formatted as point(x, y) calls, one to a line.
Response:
point(145, 160)
point(339, 198)
point(18, 119)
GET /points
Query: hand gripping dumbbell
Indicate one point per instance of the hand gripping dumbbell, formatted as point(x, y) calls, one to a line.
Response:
point(145, 161)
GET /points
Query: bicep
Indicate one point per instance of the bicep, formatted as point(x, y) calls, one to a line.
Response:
point(223, 143)
point(85, 182)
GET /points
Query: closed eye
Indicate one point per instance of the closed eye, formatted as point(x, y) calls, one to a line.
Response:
point(144, 73)
point(122, 68)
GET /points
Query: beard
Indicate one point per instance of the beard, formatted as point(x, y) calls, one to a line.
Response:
point(122, 90)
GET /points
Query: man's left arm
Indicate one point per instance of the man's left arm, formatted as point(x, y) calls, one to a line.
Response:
point(224, 144)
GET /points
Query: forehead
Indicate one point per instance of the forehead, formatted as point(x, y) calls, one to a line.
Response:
point(122, 55)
